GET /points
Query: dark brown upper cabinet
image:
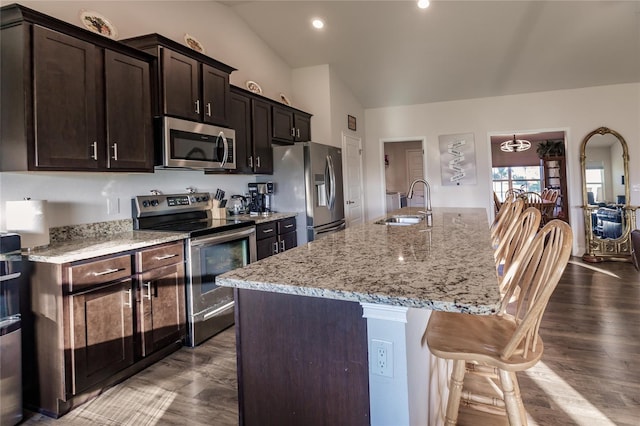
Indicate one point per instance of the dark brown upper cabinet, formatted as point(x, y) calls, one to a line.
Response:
point(188, 84)
point(71, 99)
point(251, 119)
point(290, 125)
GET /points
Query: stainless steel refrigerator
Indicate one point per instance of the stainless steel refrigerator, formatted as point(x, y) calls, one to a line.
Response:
point(308, 178)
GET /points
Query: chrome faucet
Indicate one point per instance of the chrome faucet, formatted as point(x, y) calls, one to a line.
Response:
point(428, 197)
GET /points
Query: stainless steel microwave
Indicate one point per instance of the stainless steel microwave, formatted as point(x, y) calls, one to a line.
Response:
point(193, 145)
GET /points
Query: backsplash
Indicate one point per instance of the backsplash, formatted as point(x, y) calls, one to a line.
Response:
point(89, 230)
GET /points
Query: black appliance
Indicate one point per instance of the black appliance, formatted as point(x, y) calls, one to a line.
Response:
point(260, 197)
point(10, 330)
point(214, 246)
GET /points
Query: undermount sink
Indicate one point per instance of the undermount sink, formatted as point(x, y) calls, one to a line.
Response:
point(401, 220)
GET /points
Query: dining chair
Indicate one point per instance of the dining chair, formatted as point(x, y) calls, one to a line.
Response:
point(496, 203)
point(488, 350)
point(506, 218)
point(512, 193)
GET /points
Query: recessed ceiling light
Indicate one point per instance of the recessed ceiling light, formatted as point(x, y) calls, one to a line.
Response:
point(317, 23)
point(423, 4)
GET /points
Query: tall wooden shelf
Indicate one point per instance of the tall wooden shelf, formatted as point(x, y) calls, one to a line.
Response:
point(555, 177)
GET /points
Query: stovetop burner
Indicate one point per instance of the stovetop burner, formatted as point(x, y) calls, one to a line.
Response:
point(180, 213)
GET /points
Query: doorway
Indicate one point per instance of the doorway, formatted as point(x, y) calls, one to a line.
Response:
point(353, 182)
point(403, 163)
point(539, 167)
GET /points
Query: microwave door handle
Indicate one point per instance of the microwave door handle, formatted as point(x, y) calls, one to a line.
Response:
point(226, 148)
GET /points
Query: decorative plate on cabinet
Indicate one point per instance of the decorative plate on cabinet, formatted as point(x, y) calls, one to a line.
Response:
point(253, 87)
point(284, 99)
point(193, 43)
point(98, 24)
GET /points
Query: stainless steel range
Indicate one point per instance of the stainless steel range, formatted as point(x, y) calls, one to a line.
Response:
point(214, 247)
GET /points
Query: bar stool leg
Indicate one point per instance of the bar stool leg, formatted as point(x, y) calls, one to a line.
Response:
point(455, 391)
point(512, 400)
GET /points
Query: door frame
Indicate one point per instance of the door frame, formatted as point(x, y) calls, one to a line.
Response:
point(383, 187)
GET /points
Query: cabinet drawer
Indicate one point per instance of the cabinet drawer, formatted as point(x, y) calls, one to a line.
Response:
point(266, 230)
point(99, 272)
point(159, 256)
point(286, 225)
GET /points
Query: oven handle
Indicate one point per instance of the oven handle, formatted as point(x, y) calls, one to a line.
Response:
point(222, 237)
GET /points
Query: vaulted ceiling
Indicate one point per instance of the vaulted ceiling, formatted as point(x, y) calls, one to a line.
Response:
point(392, 53)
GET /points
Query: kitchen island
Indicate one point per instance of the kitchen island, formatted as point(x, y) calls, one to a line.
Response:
point(330, 332)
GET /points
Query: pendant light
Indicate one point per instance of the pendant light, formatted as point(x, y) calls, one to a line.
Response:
point(515, 145)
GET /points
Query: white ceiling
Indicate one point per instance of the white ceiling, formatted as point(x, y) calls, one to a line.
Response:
point(392, 53)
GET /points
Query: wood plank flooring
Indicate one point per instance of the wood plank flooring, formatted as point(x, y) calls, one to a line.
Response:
point(589, 374)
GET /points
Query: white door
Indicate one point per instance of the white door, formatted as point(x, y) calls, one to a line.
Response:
point(415, 170)
point(353, 191)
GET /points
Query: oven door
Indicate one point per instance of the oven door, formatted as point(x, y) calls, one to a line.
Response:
point(210, 307)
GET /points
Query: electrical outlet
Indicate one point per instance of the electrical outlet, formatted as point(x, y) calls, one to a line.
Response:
point(113, 205)
point(381, 358)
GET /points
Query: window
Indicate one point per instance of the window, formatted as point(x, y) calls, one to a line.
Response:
point(595, 184)
point(526, 178)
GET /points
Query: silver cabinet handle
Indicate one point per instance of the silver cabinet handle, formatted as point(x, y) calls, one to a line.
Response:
point(258, 162)
point(266, 231)
point(275, 248)
point(198, 106)
point(251, 161)
point(288, 226)
point(293, 132)
point(148, 286)
point(105, 272)
point(297, 133)
point(127, 302)
point(282, 247)
point(115, 151)
point(165, 257)
point(209, 109)
point(94, 147)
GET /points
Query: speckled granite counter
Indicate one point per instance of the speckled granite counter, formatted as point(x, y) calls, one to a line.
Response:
point(448, 266)
point(86, 248)
point(262, 218)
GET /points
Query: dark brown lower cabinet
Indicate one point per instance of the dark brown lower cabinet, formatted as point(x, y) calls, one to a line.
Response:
point(102, 324)
point(275, 237)
point(161, 316)
point(92, 323)
point(301, 360)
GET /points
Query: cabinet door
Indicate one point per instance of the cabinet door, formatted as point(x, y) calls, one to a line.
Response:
point(302, 124)
point(261, 136)
point(282, 124)
point(64, 102)
point(180, 84)
point(267, 247)
point(101, 333)
point(161, 318)
point(287, 241)
point(128, 109)
point(215, 95)
point(240, 120)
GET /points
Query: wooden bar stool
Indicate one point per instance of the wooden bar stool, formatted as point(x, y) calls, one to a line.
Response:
point(518, 237)
point(506, 218)
point(498, 346)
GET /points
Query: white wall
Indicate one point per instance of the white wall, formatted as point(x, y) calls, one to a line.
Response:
point(311, 86)
point(579, 111)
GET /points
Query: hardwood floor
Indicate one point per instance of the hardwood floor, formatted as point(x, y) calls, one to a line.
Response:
point(589, 374)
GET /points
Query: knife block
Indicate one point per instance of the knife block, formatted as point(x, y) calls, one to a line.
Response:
point(218, 212)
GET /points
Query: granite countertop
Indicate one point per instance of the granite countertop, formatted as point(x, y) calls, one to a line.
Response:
point(447, 267)
point(87, 248)
point(262, 218)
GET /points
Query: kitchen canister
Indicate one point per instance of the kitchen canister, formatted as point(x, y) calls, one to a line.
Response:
point(29, 219)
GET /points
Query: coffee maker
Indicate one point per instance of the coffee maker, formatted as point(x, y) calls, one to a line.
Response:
point(260, 197)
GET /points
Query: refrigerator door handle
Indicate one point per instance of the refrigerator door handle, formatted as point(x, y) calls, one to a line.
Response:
point(338, 227)
point(331, 177)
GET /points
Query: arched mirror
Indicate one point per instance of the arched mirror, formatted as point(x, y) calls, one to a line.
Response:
point(608, 217)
